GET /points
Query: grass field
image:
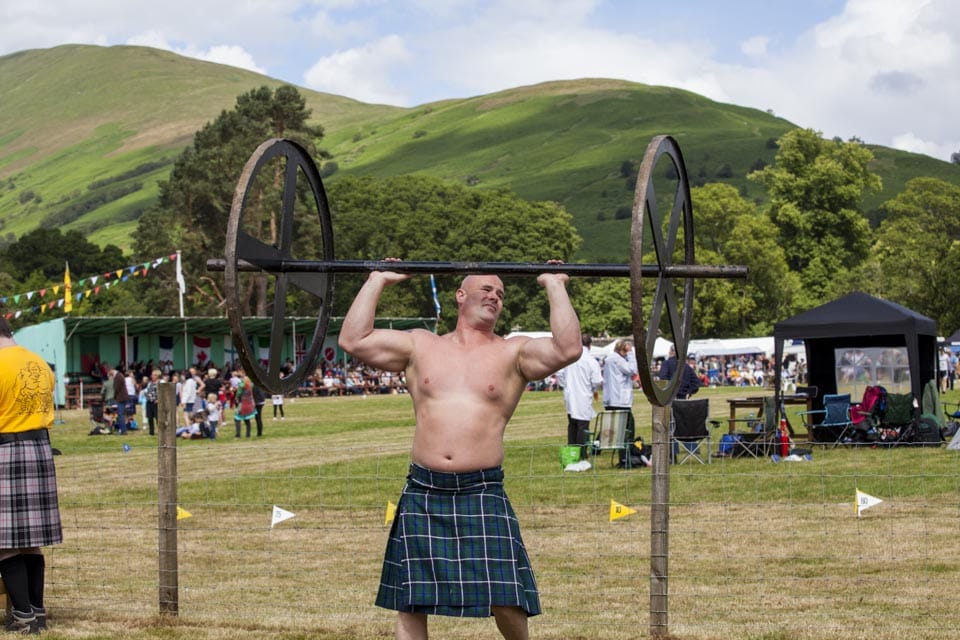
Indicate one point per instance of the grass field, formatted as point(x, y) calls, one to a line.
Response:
point(757, 550)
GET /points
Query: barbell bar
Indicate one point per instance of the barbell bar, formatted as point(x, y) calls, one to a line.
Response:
point(246, 253)
point(491, 268)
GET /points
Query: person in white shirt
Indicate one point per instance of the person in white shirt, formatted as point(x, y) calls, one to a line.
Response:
point(133, 395)
point(944, 370)
point(214, 410)
point(619, 370)
point(188, 394)
point(580, 382)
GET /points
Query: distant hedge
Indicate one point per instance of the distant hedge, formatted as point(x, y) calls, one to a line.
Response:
point(139, 170)
point(79, 209)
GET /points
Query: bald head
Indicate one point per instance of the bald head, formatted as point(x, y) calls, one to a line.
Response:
point(474, 278)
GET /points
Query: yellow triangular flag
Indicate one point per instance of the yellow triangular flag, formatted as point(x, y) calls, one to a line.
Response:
point(865, 501)
point(618, 510)
point(183, 513)
point(391, 511)
point(67, 290)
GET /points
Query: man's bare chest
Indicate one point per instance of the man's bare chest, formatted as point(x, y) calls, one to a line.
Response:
point(483, 372)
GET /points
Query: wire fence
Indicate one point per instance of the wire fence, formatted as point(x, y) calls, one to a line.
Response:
point(756, 549)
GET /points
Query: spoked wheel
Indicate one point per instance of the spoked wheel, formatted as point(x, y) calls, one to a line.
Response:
point(258, 236)
point(663, 234)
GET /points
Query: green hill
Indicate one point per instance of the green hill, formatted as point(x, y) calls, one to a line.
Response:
point(86, 132)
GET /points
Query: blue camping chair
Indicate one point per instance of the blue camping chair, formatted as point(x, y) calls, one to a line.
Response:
point(836, 425)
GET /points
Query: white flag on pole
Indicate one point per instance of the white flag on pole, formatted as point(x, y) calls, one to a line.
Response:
point(865, 501)
point(181, 283)
point(279, 515)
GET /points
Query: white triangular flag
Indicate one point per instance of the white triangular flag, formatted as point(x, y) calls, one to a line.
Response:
point(279, 515)
point(865, 501)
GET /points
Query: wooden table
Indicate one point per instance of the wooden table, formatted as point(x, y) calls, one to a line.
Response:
point(756, 402)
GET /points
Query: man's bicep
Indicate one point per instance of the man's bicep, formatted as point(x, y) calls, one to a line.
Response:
point(539, 357)
point(387, 349)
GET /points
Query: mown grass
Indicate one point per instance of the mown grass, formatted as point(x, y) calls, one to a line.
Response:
point(757, 550)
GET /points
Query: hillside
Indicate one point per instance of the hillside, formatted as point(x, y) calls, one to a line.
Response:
point(564, 141)
point(75, 117)
point(86, 132)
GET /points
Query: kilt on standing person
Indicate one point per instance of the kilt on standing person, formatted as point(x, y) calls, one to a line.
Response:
point(29, 507)
point(454, 547)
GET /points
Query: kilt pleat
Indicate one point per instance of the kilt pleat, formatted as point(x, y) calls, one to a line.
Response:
point(29, 508)
point(455, 548)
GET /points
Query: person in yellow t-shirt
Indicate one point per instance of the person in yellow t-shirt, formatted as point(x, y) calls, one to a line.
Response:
point(29, 505)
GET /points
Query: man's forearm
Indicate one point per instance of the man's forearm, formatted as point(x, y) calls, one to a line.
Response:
point(564, 324)
point(359, 321)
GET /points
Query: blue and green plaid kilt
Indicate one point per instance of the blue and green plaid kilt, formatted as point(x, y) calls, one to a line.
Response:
point(455, 548)
point(29, 511)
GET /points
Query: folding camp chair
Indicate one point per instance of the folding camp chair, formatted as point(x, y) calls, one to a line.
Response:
point(761, 442)
point(867, 413)
point(898, 424)
point(610, 434)
point(689, 432)
point(836, 425)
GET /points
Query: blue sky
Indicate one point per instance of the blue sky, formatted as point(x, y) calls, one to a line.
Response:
point(886, 71)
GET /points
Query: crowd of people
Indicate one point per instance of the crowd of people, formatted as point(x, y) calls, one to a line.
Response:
point(355, 378)
point(352, 378)
point(203, 395)
point(744, 370)
point(128, 397)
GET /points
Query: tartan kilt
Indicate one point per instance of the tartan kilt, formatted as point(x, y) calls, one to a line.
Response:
point(29, 510)
point(455, 548)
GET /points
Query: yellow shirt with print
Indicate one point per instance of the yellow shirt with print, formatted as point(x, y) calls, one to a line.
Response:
point(26, 391)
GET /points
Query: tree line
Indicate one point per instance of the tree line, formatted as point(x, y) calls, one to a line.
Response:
point(809, 243)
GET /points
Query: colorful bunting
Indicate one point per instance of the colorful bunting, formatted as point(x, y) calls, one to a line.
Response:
point(69, 289)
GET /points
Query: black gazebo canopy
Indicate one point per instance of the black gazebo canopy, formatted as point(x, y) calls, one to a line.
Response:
point(858, 320)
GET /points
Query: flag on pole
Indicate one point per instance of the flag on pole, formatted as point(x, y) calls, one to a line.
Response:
point(618, 510)
point(67, 291)
point(391, 511)
point(279, 515)
point(183, 514)
point(201, 350)
point(181, 283)
point(436, 300)
point(865, 501)
point(165, 351)
point(229, 351)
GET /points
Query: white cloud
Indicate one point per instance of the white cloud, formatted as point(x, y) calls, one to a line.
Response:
point(877, 70)
point(363, 73)
point(755, 47)
point(150, 38)
point(505, 54)
point(232, 55)
point(910, 142)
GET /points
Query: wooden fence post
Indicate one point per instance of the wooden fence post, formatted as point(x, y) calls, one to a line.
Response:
point(660, 523)
point(167, 498)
